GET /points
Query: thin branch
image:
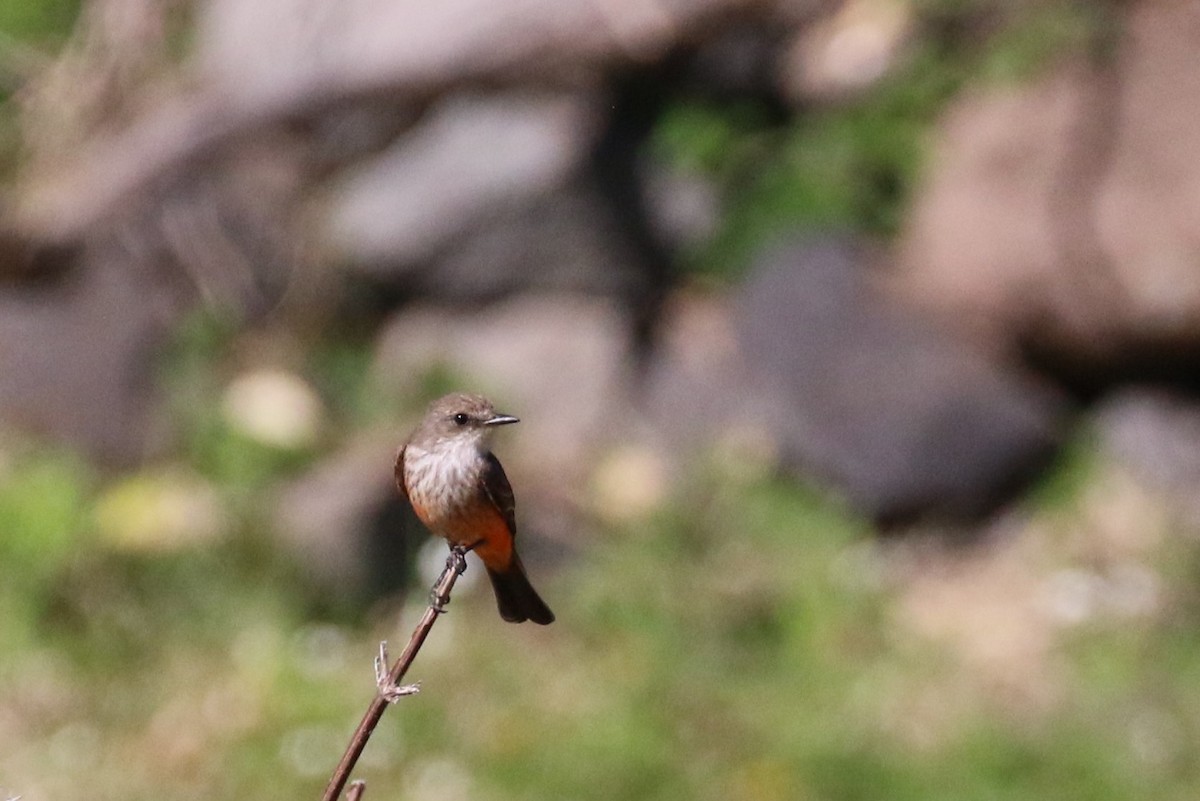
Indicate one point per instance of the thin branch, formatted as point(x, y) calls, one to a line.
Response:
point(390, 688)
point(357, 788)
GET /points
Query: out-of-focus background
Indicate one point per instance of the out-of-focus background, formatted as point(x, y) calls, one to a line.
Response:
point(855, 343)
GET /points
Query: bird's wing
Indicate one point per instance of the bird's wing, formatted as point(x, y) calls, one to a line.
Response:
point(499, 491)
point(400, 472)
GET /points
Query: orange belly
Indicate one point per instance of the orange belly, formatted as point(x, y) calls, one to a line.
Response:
point(478, 526)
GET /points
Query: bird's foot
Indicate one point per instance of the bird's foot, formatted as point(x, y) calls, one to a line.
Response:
point(388, 690)
point(457, 560)
point(456, 563)
point(437, 601)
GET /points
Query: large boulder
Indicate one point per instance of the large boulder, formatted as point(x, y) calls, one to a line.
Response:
point(899, 414)
point(1062, 218)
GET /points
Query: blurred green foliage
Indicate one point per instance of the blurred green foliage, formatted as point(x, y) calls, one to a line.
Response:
point(852, 164)
point(742, 642)
point(29, 31)
point(42, 509)
point(197, 369)
point(840, 167)
point(38, 20)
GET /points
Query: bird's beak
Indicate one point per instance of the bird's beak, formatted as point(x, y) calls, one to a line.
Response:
point(501, 420)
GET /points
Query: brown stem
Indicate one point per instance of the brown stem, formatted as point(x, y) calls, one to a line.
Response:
point(357, 788)
point(455, 564)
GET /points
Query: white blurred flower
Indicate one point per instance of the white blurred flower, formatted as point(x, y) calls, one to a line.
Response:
point(1070, 596)
point(849, 50)
point(629, 483)
point(274, 407)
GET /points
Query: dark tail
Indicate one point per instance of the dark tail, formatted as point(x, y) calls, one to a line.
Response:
point(516, 597)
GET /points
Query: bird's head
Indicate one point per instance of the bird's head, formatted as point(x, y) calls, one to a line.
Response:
point(458, 418)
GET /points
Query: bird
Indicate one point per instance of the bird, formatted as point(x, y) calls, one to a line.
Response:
point(459, 491)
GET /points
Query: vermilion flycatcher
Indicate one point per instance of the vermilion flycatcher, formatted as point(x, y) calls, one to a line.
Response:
point(459, 491)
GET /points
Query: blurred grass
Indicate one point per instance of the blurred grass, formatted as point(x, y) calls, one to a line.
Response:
point(741, 642)
point(40, 21)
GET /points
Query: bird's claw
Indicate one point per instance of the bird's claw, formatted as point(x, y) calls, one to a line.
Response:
point(437, 602)
point(456, 562)
point(388, 690)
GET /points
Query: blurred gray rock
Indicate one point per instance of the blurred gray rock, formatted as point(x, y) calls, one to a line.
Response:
point(79, 344)
point(698, 389)
point(1156, 434)
point(1059, 216)
point(345, 522)
point(492, 195)
point(470, 158)
point(903, 418)
point(74, 356)
point(566, 241)
point(683, 207)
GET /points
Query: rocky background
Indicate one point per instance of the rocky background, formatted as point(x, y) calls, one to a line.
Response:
point(926, 273)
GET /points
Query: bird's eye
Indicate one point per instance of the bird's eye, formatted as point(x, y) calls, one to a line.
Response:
point(461, 419)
